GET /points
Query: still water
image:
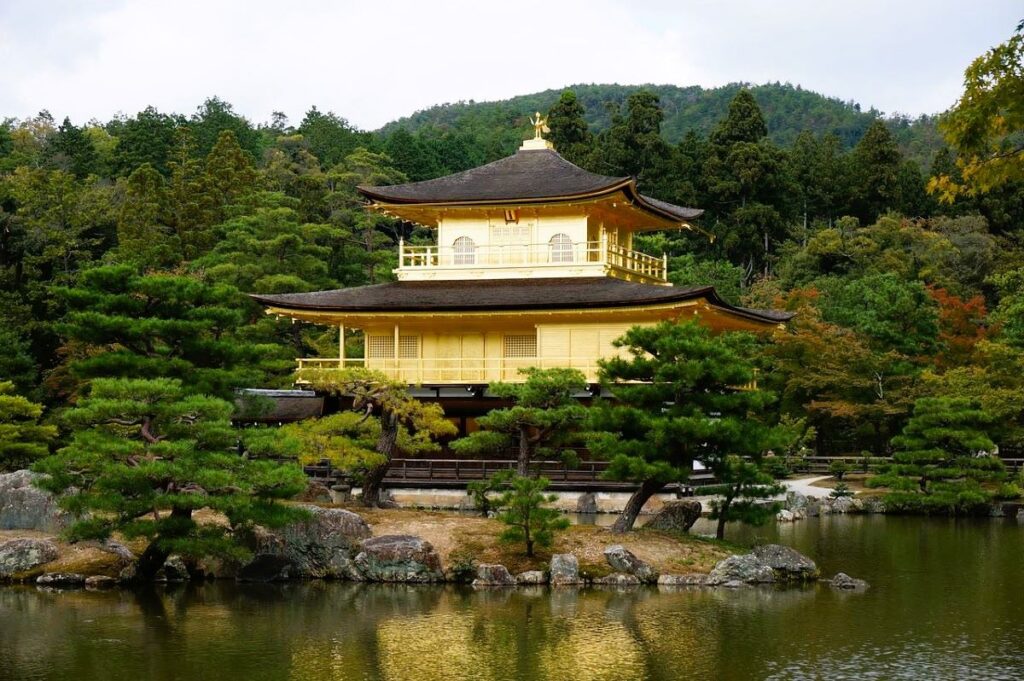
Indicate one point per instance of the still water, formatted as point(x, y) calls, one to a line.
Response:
point(947, 602)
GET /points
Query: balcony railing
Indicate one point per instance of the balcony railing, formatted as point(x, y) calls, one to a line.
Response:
point(454, 370)
point(462, 370)
point(533, 255)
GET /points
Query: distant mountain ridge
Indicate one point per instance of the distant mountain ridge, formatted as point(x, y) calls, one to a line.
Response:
point(787, 109)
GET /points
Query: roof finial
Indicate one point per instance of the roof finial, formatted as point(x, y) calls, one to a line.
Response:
point(540, 126)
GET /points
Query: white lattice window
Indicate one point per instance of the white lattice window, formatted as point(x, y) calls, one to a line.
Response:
point(520, 346)
point(465, 251)
point(408, 347)
point(561, 248)
point(380, 347)
point(511, 233)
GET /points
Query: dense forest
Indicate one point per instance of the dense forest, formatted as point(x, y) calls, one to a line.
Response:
point(788, 110)
point(127, 246)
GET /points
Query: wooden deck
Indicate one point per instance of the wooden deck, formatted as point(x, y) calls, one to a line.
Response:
point(586, 476)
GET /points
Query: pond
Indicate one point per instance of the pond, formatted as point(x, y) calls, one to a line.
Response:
point(947, 602)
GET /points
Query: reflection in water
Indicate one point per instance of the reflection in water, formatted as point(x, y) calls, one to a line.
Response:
point(945, 603)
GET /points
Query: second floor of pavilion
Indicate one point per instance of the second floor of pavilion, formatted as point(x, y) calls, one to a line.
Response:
point(529, 215)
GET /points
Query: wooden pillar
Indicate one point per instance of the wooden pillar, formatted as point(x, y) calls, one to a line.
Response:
point(341, 346)
point(396, 352)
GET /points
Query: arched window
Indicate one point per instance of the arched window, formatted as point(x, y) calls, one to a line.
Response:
point(465, 251)
point(561, 248)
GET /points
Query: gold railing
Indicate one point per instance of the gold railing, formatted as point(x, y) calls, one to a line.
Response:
point(462, 370)
point(545, 254)
point(454, 370)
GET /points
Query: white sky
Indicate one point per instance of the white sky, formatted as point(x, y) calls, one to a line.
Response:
point(376, 60)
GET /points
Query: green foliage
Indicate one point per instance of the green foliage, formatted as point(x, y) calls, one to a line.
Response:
point(841, 490)
point(893, 313)
point(522, 509)
point(145, 454)
point(941, 459)
point(546, 415)
point(987, 124)
point(159, 325)
point(838, 469)
point(677, 401)
point(482, 492)
point(743, 494)
point(22, 439)
point(570, 133)
point(402, 420)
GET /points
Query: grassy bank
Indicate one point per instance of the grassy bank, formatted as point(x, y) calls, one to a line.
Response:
point(462, 539)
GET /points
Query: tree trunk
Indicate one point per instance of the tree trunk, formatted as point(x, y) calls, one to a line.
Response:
point(523, 461)
point(154, 557)
point(386, 445)
point(647, 489)
point(723, 513)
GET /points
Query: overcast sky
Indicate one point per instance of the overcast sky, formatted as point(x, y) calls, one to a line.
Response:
point(376, 60)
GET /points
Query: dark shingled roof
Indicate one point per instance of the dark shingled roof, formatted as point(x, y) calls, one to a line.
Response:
point(504, 294)
point(529, 176)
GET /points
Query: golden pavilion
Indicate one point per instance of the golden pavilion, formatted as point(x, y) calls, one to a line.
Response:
point(533, 266)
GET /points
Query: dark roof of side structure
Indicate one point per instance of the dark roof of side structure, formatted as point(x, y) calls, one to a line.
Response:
point(505, 294)
point(528, 176)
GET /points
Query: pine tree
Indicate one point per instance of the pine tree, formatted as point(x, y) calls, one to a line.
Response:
point(143, 235)
point(71, 150)
point(743, 123)
point(941, 458)
point(192, 205)
point(23, 439)
point(523, 511)
point(146, 454)
point(130, 325)
point(677, 400)
point(570, 133)
point(876, 163)
point(545, 415)
point(230, 173)
point(146, 138)
point(390, 403)
point(743, 496)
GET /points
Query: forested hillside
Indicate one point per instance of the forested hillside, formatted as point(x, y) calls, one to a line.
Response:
point(127, 246)
point(788, 110)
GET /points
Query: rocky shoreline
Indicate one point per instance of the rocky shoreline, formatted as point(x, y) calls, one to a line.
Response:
point(338, 544)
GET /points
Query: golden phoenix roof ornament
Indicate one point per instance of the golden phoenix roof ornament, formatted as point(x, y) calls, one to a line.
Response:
point(540, 126)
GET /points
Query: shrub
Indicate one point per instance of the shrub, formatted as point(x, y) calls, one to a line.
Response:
point(839, 469)
point(522, 509)
point(481, 491)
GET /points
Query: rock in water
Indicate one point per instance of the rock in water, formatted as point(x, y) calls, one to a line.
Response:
point(676, 516)
point(23, 506)
point(743, 568)
point(848, 583)
point(61, 579)
point(623, 560)
point(531, 577)
point(320, 547)
point(789, 565)
point(683, 580)
point(493, 575)
point(587, 503)
point(266, 568)
point(21, 555)
point(619, 579)
point(565, 570)
point(100, 582)
point(399, 558)
point(795, 501)
point(173, 570)
point(785, 516)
